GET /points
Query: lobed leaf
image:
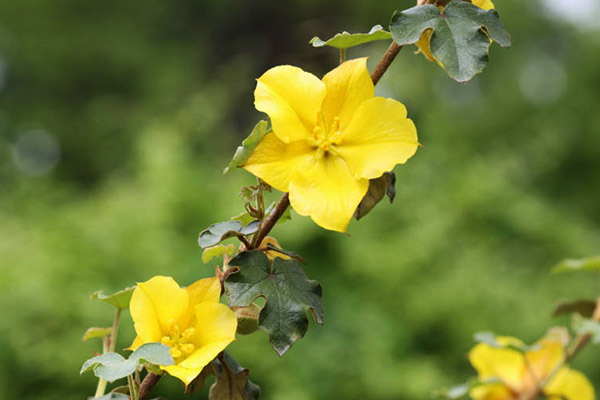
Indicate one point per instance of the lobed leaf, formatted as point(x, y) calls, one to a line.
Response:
point(461, 391)
point(119, 299)
point(113, 366)
point(460, 37)
point(288, 292)
point(378, 188)
point(243, 152)
point(111, 396)
point(583, 264)
point(216, 233)
point(345, 40)
point(583, 326)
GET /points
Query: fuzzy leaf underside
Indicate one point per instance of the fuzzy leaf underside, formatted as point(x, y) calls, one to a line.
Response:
point(288, 292)
point(460, 37)
point(216, 233)
point(113, 366)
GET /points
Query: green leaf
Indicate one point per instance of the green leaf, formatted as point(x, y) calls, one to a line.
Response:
point(232, 381)
point(585, 308)
point(583, 264)
point(113, 366)
point(96, 333)
point(288, 292)
point(490, 339)
point(247, 318)
point(345, 40)
point(216, 251)
point(244, 218)
point(378, 188)
point(461, 35)
point(244, 151)
point(216, 233)
point(119, 299)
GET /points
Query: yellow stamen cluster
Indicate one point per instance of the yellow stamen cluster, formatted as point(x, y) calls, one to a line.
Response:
point(178, 341)
point(325, 140)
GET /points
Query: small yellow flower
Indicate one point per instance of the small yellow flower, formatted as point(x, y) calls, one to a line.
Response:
point(190, 321)
point(520, 375)
point(329, 138)
point(423, 43)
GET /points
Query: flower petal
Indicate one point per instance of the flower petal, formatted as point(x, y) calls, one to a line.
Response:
point(292, 98)
point(347, 87)
point(208, 289)
point(215, 323)
point(484, 4)
point(491, 391)
point(378, 137)
point(325, 190)
point(154, 305)
point(137, 342)
point(423, 45)
point(570, 384)
point(186, 375)
point(275, 162)
point(502, 363)
point(544, 360)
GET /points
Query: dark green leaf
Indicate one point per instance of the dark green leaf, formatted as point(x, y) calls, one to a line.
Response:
point(378, 188)
point(585, 308)
point(232, 381)
point(244, 151)
point(216, 233)
point(96, 333)
point(583, 264)
point(461, 35)
point(345, 40)
point(119, 299)
point(113, 366)
point(288, 292)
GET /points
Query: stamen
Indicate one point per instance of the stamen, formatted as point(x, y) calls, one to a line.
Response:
point(175, 352)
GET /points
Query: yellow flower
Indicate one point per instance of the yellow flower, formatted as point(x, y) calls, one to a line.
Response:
point(423, 43)
point(520, 375)
point(329, 138)
point(190, 321)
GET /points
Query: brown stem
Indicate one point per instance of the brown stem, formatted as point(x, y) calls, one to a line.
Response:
point(148, 384)
point(385, 62)
point(245, 242)
point(272, 219)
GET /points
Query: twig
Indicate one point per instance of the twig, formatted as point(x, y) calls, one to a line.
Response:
point(385, 62)
point(272, 219)
point(147, 384)
point(245, 242)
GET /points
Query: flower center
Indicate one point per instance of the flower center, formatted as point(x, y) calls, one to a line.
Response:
point(325, 139)
point(178, 341)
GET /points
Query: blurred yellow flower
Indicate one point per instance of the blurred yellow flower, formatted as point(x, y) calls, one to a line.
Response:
point(329, 138)
point(423, 43)
point(520, 375)
point(190, 321)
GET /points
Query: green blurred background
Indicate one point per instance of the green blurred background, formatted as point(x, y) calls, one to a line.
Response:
point(117, 118)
